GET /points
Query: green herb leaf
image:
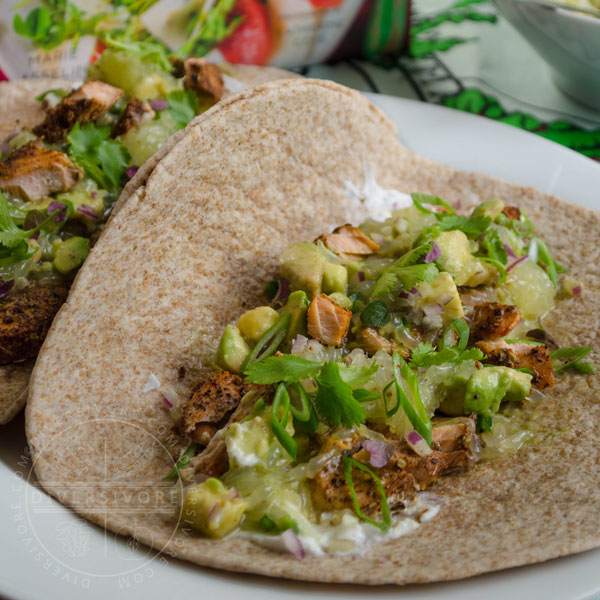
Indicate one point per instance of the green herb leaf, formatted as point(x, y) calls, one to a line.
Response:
point(539, 251)
point(576, 353)
point(288, 368)
point(471, 226)
point(386, 519)
point(375, 314)
point(420, 199)
point(335, 401)
point(147, 50)
point(104, 160)
point(183, 105)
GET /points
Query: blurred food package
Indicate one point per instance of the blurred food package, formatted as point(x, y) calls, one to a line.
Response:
point(60, 38)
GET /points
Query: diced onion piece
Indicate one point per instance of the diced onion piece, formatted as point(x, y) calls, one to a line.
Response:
point(379, 452)
point(417, 443)
point(292, 543)
point(433, 254)
point(152, 384)
point(517, 262)
point(159, 104)
point(299, 344)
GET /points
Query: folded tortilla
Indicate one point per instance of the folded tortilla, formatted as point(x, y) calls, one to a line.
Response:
point(21, 110)
point(193, 242)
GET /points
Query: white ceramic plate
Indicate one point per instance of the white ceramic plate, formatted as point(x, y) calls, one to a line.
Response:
point(47, 552)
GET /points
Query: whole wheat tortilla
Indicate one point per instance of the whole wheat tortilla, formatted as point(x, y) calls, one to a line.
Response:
point(22, 111)
point(263, 169)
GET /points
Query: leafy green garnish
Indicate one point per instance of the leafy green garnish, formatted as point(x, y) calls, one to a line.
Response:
point(576, 353)
point(335, 401)
point(103, 159)
point(386, 519)
point(183, 461)
point(424, 355)
point(357, 301)
point(375, 314)
point(183, 105)
point(60, 92)
point(449, 221)
point(288, 368)
point(406, 271)
point(538, 251)
point(356, 376)
point(146, 50)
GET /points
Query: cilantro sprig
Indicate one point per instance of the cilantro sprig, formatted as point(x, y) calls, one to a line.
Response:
point(449, 220)
point(103, 159)
point(407, 271)
point(183, 105)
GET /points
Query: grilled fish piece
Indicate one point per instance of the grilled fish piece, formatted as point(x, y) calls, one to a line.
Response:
point(211, 405)
point(402, 477)
point(83, 105)
point(328, 322)
point(512, 213)
point(135, 112)
point(202, 77)
point(349, 243)
point(25, 318)
point(494, 320)
point(530, 356)
point(32, 172)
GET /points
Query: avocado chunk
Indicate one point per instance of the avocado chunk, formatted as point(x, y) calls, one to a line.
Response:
point(254, 323)
point(443, 291)
point(453, 388)
point(490, 386)
point(490, 208)
point(70, 254)
point(232, 350)
point(213, 509)
point(335, 278)
point(297, 306)
point(456, 259)
point(302, 265)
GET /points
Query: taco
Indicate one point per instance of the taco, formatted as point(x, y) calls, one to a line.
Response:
point(328, 412)
point(68, 148)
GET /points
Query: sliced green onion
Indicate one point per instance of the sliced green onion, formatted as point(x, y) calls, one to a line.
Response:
point(416, 414)
point(272, 338)
point(305, 418)
point(282, 402)
point(183, 461)
point(268, 525)
point(462, 329)
point(484, 422)
point(524, 370)
point(420, 199)
point(390, 412)
point(386, 519)
point(576, 353)
point(498, 265)
point(363, 395)
point(524, 341)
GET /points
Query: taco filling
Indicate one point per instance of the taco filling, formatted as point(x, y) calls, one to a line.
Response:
point(390, 355)
point(59, 180)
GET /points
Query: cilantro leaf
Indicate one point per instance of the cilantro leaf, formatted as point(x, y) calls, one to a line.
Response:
point(147, 51)
point(182, 106)
point(424, 355)
point(288, 368)
point(335, 401)
point(473, 226)
point(406, 271)
point(375, 314)
point(104, 160)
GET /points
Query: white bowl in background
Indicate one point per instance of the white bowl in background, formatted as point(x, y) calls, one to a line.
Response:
point(569, 42)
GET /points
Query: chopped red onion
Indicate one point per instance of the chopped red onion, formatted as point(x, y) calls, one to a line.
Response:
point(167, 402)
point(54, 206)
point(417, 443)
point(537, 394)
point(414, 291)
point(514, 264)
point(283, 292)
point(380, 452)
point(87, 211)
point(361, 275)
point(35, 235)
point(445, 299)
point(151, 384)
point(292, 543)
point(159, 104)
point(131, 171)
point(299, 344)
point(6, 286)
point(433, 310)
point(576, 290)
point(433, 254)
point(404, 295)
point(509, 251)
